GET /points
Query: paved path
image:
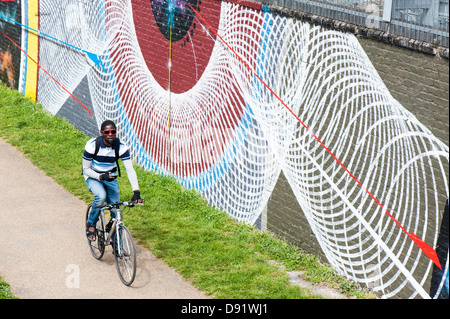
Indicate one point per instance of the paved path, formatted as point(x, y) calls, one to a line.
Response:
point(43, 248)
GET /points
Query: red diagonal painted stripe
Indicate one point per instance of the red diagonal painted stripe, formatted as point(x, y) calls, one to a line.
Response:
point(48, 74)
point(430, 252)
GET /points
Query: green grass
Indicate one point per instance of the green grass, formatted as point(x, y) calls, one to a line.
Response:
point(220, 256)
point(5, 291)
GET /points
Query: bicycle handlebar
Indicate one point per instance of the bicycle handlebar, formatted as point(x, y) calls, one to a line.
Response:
point(118, 204)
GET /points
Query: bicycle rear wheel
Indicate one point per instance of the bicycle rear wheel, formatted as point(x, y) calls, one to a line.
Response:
point(97, 246)
point(125, 255)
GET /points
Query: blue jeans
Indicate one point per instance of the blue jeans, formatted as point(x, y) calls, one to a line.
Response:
point(103, 191)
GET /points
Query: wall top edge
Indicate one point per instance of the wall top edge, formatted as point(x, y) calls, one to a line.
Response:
point(362, 31)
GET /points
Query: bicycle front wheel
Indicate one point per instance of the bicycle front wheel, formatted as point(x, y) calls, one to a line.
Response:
point(125, 255)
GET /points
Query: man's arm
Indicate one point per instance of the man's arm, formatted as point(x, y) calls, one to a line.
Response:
point(89, 171)
point(132, 177)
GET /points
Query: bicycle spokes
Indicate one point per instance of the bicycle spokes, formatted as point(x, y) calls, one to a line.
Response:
point(125, 255)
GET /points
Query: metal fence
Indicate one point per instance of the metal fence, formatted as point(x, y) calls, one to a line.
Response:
point(425, 20)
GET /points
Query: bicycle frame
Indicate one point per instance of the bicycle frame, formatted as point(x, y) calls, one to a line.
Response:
point(117, 221)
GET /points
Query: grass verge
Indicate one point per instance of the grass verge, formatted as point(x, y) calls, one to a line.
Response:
point(5, 291)
point(220, 256)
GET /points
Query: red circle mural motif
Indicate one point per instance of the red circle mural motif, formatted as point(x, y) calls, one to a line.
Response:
point(168, 33)
point(186, 131)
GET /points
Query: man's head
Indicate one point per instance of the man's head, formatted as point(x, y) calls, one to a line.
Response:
point(108, 131)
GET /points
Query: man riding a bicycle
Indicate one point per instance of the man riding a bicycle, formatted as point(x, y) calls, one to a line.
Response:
point(100, 172)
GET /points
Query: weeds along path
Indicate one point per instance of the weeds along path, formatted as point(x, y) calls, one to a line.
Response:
point(43, 248)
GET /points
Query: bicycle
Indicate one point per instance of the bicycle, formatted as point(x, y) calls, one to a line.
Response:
point(123, 245)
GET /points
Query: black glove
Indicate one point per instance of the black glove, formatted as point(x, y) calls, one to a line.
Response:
point(107, 177)
point(136, 197)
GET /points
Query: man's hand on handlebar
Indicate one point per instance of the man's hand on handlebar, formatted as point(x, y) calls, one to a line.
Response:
point(137, 197)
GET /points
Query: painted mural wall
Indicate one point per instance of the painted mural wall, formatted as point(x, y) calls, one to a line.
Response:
point(226, 97)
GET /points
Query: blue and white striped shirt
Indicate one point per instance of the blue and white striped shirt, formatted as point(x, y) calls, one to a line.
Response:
point(104, 161)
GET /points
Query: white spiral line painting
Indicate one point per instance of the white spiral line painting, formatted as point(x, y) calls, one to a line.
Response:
point(326, 78)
